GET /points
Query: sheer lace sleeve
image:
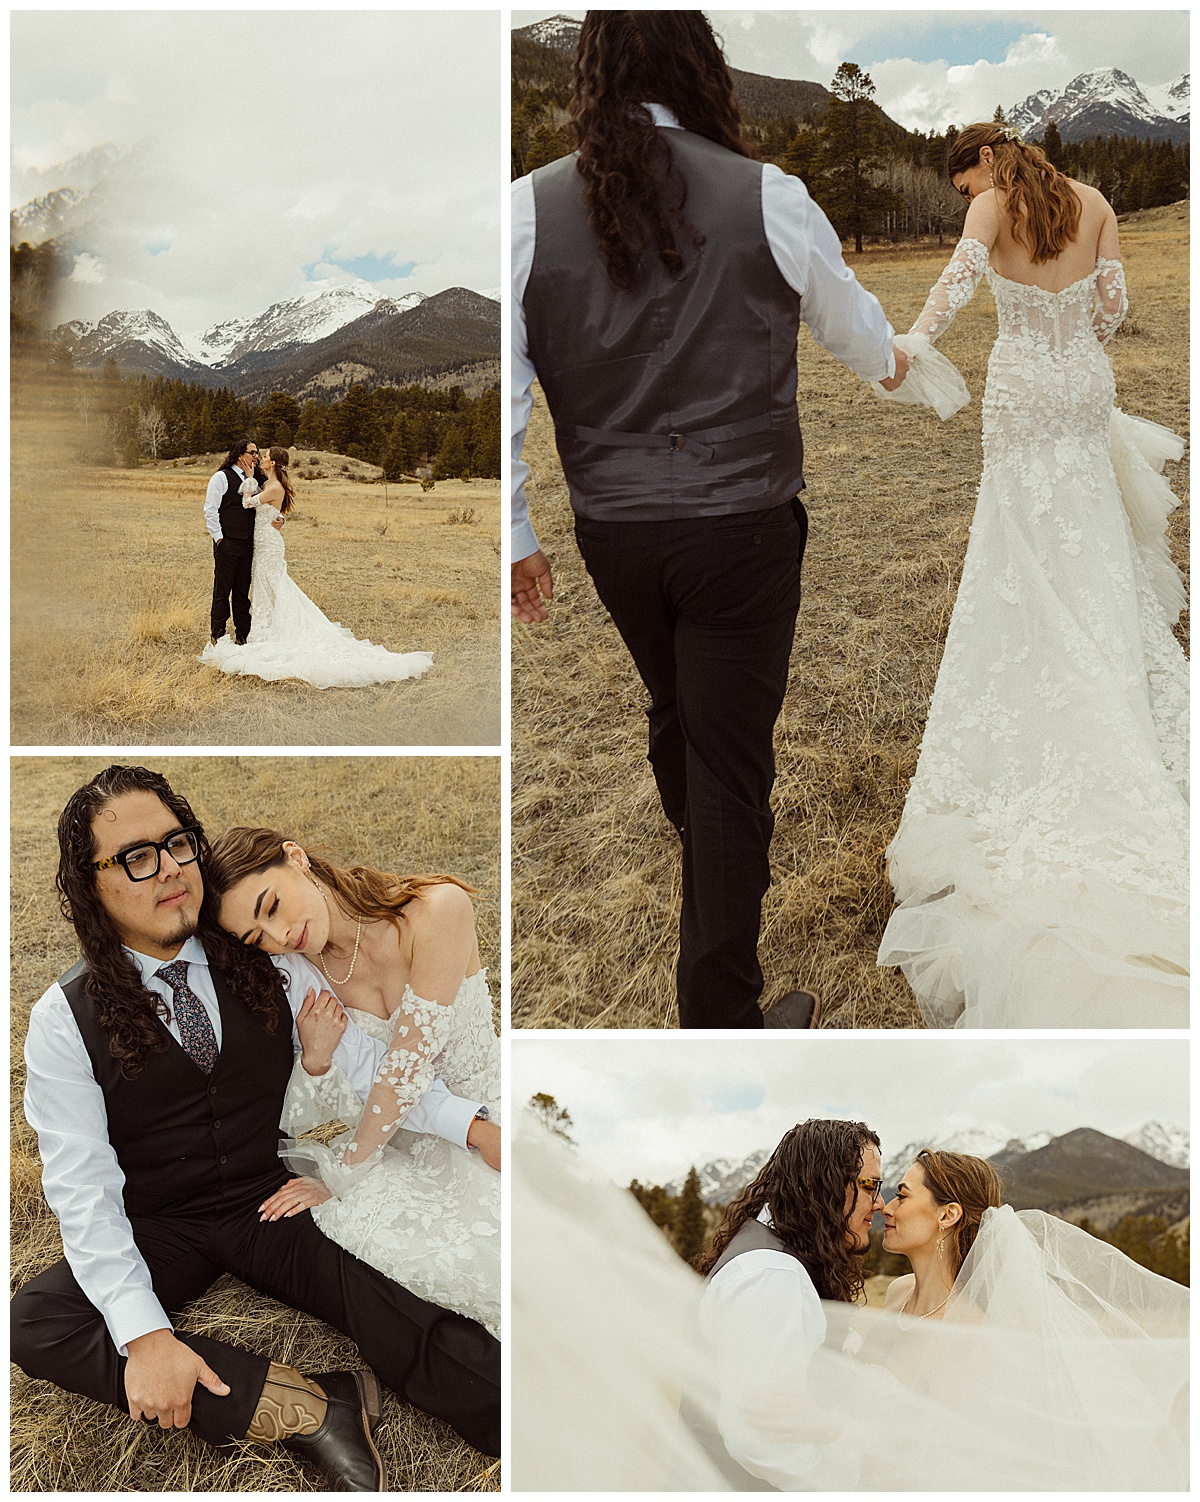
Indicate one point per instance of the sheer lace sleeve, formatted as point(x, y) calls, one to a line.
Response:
point(953, 290)
point(1112, 304)
point(313, 1099)
point(419, 1032)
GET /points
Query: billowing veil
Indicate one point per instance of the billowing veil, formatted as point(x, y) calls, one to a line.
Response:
point(1060, 1365)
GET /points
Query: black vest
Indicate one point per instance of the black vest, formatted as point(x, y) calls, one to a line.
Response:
point(676, 400)
point(236, 520)
point(188, 1142)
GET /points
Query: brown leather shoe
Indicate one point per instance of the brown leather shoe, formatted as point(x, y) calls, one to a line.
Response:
point(344, 1446)
point(798, 1009)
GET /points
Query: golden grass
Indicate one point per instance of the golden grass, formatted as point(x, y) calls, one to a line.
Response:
point(403, 814)
point(595, 867)
point(112, 580)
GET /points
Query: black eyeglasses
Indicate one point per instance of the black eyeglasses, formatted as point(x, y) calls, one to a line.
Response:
point(141, 862)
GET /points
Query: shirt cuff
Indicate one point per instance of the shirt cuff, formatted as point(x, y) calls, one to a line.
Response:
point(134, 1313)
point(524, 541)
point(453, 1118)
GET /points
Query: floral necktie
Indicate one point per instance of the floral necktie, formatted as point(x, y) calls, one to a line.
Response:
point(195, 1030)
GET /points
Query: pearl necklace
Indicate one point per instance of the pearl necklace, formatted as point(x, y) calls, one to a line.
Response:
point(353, 960)
point(904, 1310)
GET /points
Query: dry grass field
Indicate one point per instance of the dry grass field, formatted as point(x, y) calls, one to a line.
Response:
point(890, 494)
point(112, 581)
point(403, 814)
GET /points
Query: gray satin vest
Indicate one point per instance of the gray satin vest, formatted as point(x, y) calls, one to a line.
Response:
point(752, 1237)
point(676, 400)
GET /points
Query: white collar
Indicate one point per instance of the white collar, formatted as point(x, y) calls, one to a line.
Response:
point(192, 952)
point(764, 1216)
point(661, 115)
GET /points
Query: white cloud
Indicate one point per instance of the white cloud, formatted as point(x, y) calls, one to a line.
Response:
point(647, 1107)
point(260, 143)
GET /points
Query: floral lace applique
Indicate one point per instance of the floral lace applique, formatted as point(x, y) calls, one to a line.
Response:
point(953, 290)
point(1112, 303)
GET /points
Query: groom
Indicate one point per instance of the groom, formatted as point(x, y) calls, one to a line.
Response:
point(659, 278)
point(156, 1093)
point(795, 1235)
point(231, 527)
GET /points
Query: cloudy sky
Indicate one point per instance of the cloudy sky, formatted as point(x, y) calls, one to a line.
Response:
point(264, 150)
point(648, 1107)
point(932, 68)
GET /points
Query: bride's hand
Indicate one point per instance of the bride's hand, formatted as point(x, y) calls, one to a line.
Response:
point(278, 524)
point(296, 1195)
point(320, 1022)
point(893, 383)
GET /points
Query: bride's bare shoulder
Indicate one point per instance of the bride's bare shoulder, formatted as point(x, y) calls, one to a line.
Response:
point(898, 1290)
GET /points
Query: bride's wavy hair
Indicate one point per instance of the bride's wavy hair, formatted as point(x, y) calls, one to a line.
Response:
point(1040, 204)
point(127, 1011)
point(282, 459)
point(959, 1179)
point(360, 891)
point(805, 1181)
point(635, 193)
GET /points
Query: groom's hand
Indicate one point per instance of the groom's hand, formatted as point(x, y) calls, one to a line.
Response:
point(894, 382)
point(484, 1136)
point(532, 585)
point(160, 1377)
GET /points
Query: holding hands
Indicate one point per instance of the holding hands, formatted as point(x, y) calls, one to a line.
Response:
point(320, 1022)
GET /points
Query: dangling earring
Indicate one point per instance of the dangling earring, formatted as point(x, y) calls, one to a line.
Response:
point(940, 1242)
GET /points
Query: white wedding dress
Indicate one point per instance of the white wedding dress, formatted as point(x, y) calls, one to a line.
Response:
point(1040, 867)
point(418, 1208)
point(1060, 1364)
point(291, 638)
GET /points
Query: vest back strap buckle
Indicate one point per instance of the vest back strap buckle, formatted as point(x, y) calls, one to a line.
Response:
point(695, 443)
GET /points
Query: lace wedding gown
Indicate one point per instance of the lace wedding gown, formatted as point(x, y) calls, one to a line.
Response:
point(291, 638)
point(1060, 1365)
point(1040, 865)
point(418, 1208)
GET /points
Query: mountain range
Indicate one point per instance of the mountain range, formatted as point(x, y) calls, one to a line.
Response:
point(316, 344)
point(1107, 102)
point(1079, 1174)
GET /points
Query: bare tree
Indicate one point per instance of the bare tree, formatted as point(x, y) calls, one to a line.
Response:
point(85, 403)
point(151, 429)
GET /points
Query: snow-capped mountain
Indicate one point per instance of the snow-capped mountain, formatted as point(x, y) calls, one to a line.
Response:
point(1165, 1141)
point(43, 218)
point(722, 1178)
point(559, 32)
point(316, 313)
point(1107, 102)
point(140, 342)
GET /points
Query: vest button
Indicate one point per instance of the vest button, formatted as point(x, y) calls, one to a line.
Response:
point(221, 1159)
point(212, 1089)
point(216, 1124)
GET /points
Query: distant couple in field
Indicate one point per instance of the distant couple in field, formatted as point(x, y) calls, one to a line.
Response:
point(226, 992)
point(660, 276)
point(1018, 1353)
point(289, 637)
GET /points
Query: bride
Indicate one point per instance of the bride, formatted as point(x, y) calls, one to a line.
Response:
point(1040, 866)
point(1024, 1355)
point(402, 957)
point(289, 636)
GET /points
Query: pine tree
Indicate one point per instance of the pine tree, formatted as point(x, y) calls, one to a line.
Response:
point(1052, 145)
point(690, 1220)
point(850, 149)
point(452, 459)
point(311, 432)
point(397, 458)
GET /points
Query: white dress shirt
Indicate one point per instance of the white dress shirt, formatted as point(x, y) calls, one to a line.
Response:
point(218, 488)
point(762, 1316)
point(844, 318)
point(82, 1180)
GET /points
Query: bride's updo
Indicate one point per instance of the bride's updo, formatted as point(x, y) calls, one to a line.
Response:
point(1042, 208)
point(956, 1178)
point(282, 459)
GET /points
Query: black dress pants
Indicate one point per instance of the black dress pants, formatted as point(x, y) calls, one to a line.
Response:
point(233, 558)
point(708, 610)
point(443, 1363)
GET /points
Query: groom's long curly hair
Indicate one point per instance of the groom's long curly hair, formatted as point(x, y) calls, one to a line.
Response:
point(805, 1181)
point(127, 1011)
point(636, 194)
